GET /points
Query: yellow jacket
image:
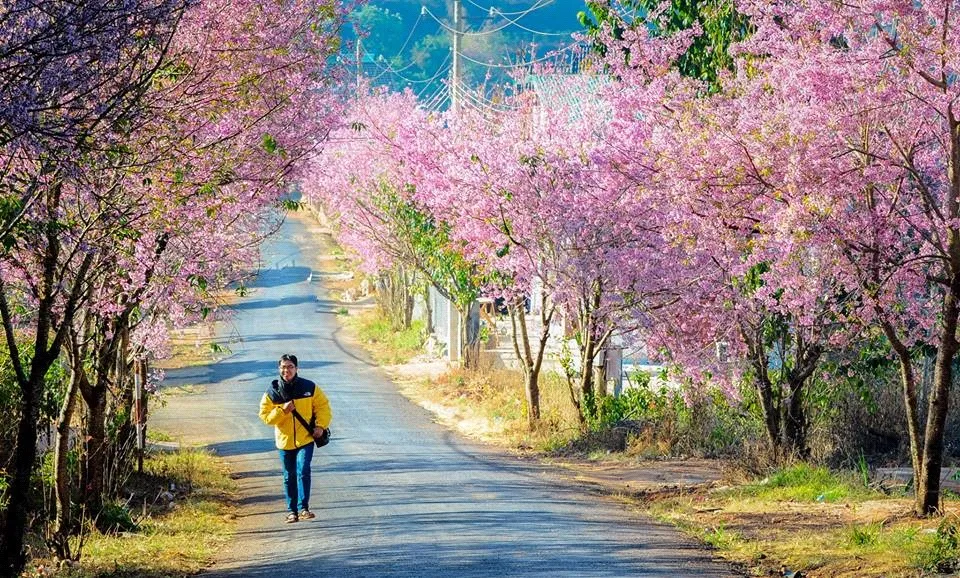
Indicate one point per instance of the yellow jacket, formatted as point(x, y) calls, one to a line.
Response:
point(310, 402)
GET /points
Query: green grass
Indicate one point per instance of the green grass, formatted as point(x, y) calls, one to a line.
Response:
point(859, 536)
point(158, 436)
point(164, 541)
point(780, 521)
point(938, 551)
point(721, 538)
point(806, 483)
point(386, 345)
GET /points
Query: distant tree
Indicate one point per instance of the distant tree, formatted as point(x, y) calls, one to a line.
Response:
point(381, 31)
point(707, 55)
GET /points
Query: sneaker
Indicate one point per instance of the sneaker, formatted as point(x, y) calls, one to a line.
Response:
point(307, 515)
point(292, 517)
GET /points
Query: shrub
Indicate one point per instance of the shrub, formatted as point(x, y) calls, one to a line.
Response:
point(114, 518)
point(942, 554)
point(659, 420)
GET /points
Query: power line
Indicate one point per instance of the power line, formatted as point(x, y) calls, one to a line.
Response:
point(440, 71)
point(483, 101)
point(386, 69)
point(482, 32)
point(540, 32)
point(536, 6)
point(433, 97)
point(409, 36)
point(544, 58)
point(443, 68)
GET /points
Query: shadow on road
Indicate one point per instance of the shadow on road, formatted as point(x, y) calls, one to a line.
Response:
point(229, 370)
point(273, 337)
point(351, 352)
point(242, 447)
point(273, 303)
point(410, 554)
point(284, 276)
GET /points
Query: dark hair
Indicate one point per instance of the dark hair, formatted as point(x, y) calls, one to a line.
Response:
point(288, 357)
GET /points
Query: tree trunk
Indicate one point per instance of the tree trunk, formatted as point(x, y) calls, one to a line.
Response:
point(587, 352)
point(766, 392)
point(795, 421)
point(394, 299)
point(469, 328)
point(928, 484)
point(407, 308)
point(769, 406)
point(428, 307)
point(12, 558)
point(807, 358)
point(589, 331)
point(96, 446)
point(32, 384)
point(63, 522)
point(530, 363)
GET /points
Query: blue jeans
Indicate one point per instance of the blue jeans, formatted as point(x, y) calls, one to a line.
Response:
point(296, 477)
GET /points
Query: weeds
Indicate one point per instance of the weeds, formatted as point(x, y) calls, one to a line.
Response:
point(720, 538)
point(158, 532)
point(386, 345)
point(942, 552)
point(158, 436)
point(803, 482)
point(864, 535)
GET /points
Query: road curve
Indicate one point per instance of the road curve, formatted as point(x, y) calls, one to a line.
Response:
point(395, 493)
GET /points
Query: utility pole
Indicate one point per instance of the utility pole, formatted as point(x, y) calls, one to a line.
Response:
point(359, 66)
point(456, 75)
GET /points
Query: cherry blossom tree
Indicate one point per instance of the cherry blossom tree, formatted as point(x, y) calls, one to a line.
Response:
point(866, 93)
point(140, 179)
point(831, 154)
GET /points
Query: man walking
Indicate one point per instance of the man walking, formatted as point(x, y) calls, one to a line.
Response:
point(292, 404)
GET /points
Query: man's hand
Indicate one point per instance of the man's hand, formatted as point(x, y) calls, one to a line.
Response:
point(317, 432)
point(288, 407)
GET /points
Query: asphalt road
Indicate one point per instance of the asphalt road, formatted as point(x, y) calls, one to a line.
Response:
point(395, 494)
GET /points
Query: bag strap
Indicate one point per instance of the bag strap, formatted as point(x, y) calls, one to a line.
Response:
point(303, 422)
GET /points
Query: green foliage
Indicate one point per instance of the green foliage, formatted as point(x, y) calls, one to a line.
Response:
point(115, 518)
point(431, 250)
point(868, 364)
point(383, 29)
point(803, 482)
point(708, 53)
point(639, 403)
point(10, 394)
point(291, 205)
point(156, 435)
point(392, 346)
point(720, 538)
point(198, 282)
point(219, 349)
point(10, 207)
point(270, 145)
point(942, 554)
point(4, 486)
point(664, 422)
point(863, 470)
point(864, 535)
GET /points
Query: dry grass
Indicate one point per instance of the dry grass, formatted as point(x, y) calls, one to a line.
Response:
point(489, 404)
point(862, 534)
point(172, 534)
